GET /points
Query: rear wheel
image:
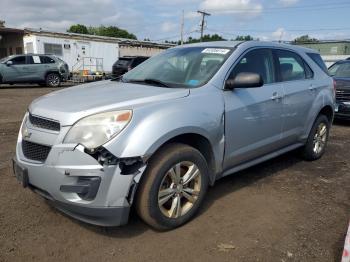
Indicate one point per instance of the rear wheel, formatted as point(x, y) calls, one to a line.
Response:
point(53, 80)
point(173, 187)
point(317, 140)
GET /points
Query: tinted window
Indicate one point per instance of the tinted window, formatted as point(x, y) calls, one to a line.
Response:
point(19, 60)
point(340, 70)
point(291, 66)
point(258, 61)
point(46, 60)
point(123, 61)
point(318, 60)
point(34, 59)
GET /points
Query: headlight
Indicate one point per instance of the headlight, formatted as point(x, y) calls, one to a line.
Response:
point(95, 130)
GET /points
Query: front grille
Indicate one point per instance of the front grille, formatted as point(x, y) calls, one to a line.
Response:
point(35, 151)
point(343, 95)
point(44, 123)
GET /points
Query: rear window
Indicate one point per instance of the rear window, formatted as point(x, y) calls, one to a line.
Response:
point(340, 70)
point(123, 61)
point(318, 60)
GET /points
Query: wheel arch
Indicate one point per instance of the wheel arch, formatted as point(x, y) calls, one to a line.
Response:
point(199, 142)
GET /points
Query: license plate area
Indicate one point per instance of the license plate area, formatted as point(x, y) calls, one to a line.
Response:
point(20, 173)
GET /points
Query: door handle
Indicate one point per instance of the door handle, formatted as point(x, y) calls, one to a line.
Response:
point(276, 96)
point(312, 88)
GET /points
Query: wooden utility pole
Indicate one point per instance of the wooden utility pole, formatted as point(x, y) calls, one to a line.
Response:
point(182, 27)
point(204, 14)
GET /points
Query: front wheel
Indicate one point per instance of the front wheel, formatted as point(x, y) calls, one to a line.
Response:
point(173, 187)
point(53, 80)
point(317, 140)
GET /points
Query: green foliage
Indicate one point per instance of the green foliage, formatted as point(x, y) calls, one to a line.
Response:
point(111, 31)
point(78, 29)
point(244, 38)
point(206, 38)
point(305, 39)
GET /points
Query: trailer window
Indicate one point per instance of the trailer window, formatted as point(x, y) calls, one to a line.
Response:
point(53, 49)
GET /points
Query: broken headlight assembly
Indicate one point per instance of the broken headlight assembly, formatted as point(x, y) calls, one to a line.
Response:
point(95, 130)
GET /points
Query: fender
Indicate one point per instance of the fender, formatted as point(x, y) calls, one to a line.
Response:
point(322, 100)
point(155, 124)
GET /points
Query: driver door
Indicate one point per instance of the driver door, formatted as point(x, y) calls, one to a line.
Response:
point(16, 72)
point(253, 122)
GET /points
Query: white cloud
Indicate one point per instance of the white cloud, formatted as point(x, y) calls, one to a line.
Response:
point(169, 27)
point(289, 2)
point(243, 8)
point(279, 34)
point(192, 15)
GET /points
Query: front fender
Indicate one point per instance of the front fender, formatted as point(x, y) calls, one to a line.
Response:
point(152, 125)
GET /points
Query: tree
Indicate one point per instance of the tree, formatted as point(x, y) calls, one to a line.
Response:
point(206, 38)
point(78, 29)
point(111, 31)
point(305, 39)
point(101, 30)
point(244, 38)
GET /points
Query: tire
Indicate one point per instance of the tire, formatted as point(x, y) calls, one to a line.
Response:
point(53, 80)
point(317, 141)
point(162, 175)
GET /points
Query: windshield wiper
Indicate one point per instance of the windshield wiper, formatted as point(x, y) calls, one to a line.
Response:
point(150, 81)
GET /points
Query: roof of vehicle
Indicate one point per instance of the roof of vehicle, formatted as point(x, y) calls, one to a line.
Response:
point(131, 57)
point(248, 44)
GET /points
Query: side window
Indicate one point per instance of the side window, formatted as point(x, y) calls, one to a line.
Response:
point(291, 66)
point(46, 60)
point(318, 60)
point(19, 60)
point(34, 59)
point(258, 61)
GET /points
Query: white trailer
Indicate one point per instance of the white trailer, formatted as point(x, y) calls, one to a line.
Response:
point(80, 52)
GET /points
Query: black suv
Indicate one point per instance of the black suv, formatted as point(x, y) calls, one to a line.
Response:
point(126, 63)
point(340, 71)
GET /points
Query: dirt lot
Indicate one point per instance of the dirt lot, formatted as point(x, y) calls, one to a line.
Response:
point(283, 210)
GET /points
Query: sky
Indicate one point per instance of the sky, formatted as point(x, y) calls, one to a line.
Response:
point(159, 20)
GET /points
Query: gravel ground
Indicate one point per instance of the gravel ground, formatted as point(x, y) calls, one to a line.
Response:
point(283, 210)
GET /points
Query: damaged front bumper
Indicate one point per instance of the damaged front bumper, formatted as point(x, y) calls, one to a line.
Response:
point(81, 185)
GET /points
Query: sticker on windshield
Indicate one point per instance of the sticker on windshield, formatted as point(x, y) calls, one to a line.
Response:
point(193, 82)
point(220, 51)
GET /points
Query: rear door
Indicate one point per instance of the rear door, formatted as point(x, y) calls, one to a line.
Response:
point(36, 68)
point(299, 92)
point(253, 119)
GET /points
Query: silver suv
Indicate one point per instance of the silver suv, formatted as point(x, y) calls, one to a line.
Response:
point(172, 126)
point(46, 70)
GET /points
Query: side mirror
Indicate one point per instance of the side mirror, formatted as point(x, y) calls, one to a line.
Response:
point(244, 80)
point(9, 63)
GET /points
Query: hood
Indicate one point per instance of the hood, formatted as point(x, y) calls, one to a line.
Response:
point(71, 104)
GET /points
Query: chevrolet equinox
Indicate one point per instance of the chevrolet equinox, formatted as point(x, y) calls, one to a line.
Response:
point(159, 136)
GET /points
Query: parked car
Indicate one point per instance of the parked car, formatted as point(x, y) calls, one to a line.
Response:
point(46, 70)
point(172, 126)
point(126, 63)
point(340, 71)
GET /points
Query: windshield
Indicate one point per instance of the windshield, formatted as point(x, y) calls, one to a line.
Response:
point(340, 70)
point(180, 67)
point(2, 60)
